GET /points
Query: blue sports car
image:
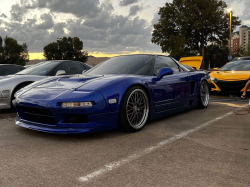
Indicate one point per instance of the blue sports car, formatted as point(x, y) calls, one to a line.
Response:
point(124, 91)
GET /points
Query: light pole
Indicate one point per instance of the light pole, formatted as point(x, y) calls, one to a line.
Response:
point(230, 12)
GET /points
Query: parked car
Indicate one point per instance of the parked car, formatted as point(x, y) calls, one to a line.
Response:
point(241, 58)
point(232, 77)
point(10, 69)
point(124, 91)
point(9, 85)
point(193, 61)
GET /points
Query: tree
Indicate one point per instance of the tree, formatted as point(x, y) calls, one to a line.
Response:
point(239, 52)
point(247, 51)
point(13, 53)
point(66, 49)
point(188, 25)
point(216, 55)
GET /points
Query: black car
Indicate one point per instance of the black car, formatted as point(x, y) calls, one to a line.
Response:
point(10, 69)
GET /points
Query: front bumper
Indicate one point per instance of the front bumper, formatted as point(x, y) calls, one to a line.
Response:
point(96, 123)
point(4, 103)
point(229, 86)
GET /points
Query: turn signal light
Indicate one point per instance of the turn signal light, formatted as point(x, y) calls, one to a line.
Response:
point(76, 104)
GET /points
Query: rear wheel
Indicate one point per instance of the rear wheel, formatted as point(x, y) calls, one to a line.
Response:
point(203, 95)
point(134, 109)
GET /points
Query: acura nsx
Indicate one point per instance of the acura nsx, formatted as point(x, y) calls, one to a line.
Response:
point(124, 91)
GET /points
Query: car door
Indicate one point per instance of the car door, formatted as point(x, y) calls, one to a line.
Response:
point(171, 91)
point(70, 67)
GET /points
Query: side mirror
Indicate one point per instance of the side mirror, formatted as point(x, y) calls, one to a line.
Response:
point(60, 72)
point(84, 71)
point(165, 71)
point(216, 69)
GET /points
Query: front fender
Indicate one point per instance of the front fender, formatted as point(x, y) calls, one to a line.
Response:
point(117, 89)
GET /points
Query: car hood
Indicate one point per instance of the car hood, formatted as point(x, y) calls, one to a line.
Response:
point(64, 88)
point(78, 82)
point(230, 75)
point(193, 61)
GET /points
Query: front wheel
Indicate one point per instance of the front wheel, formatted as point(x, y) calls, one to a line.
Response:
point(134, 109)
point(203, 98)
point(17, 89)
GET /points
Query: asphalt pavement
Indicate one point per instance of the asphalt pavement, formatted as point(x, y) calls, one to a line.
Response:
point(199, 147)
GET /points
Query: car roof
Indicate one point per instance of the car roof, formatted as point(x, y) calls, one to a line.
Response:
point(241, 58)
point(243, 61)
point(9, 65)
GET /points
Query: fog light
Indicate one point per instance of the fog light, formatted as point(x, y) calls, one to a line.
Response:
point(76, 104)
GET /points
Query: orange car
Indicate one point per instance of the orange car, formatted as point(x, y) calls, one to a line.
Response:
point(232, 77)
point(192, 61)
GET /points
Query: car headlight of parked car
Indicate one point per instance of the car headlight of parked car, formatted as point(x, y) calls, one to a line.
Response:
point(213, 79)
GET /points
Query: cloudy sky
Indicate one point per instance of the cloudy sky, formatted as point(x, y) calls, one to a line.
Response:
point(106, 27)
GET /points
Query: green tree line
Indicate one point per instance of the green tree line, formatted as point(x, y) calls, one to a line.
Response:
point(64, 49)
point(13, 53)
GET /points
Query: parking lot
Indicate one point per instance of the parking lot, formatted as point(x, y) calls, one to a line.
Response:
point(208, 147)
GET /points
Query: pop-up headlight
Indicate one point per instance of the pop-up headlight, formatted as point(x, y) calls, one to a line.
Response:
point(76, 104)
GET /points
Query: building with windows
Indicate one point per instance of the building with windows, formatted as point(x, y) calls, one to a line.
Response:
point(240, 38)
point(235, 43)
point(244, 35)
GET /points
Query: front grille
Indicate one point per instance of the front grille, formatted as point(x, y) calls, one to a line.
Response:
point(37, 111)
point(37, 115)
point(76, 119)
point(231, 86)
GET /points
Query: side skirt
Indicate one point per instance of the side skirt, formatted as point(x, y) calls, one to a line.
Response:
point(156, 115)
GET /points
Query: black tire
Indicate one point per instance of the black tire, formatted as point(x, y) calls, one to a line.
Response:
point(16, 89)
point(134, 109)
point(203, 97)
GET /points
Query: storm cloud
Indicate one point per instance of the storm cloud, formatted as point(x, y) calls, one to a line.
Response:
point(101, 29)
point(134, 10)
point(128, 2)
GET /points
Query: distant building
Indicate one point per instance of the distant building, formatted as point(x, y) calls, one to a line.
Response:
point(235, 43)
point(244, 36)
point(240, 38)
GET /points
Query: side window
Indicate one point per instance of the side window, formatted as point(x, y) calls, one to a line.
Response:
point(165, 62)
point(9, 70)
point(15, 69)
point(70, 68)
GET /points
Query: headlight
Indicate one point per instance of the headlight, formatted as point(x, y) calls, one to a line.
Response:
point(76, 104)
point(213, 79)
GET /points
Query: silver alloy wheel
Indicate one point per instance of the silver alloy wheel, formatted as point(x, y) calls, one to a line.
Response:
point(137, 108)
point(204, 93)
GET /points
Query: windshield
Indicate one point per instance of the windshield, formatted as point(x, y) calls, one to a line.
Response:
point(134, 65)
point(42, 68)
point(237, 66)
